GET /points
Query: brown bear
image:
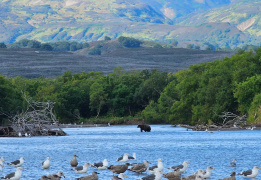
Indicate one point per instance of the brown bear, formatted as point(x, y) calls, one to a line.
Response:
point(144, 127)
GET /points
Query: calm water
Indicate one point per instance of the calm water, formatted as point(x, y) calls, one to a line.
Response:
point(172, 144)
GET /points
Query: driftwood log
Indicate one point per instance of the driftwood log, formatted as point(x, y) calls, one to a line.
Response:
point(230, 122)
point(37, 120)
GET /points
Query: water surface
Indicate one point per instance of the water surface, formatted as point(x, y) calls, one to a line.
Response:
point(172, 144)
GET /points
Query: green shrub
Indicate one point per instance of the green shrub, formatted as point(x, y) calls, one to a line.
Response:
point(129, 42)
point(95, 51)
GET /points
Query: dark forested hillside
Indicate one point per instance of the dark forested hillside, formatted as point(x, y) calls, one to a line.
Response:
point(33, 63)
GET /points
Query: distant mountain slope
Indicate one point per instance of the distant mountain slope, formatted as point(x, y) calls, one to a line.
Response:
point(243, 14)
point(174, 9)
point(157, 20)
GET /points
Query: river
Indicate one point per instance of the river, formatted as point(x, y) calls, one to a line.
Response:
point(172, 144)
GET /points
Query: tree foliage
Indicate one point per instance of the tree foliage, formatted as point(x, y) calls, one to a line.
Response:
point(196, 95)
point(129, 42)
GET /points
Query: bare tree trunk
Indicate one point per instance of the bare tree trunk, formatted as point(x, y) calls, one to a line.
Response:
point(37, 120)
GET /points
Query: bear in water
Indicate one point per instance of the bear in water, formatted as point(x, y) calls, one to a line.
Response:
point(144, 127)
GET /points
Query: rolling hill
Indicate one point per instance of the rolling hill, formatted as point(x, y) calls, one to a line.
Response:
point(33, 63)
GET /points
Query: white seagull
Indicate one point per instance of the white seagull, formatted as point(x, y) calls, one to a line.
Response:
point(133, 157)
point(46, 163)
point(15, 175)
point(121, 176)
point(182, 168)
point(123, 158)
point(251, 173)
point(17, 163)
point(1, 167)
point(157, 168)
point(2, 160)
point(233, 163)
point(208, 173)
point(102, 165)
point(81, 169)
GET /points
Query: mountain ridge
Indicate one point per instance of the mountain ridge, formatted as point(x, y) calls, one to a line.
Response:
point(189, 22)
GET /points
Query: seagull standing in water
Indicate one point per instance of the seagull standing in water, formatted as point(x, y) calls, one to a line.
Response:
point(208, 173)
point(102, 165)
point(232, 177)
point(121, 176)
point(133, 157)
point(157, 168)
point(182, 168)
point(141, 167)
point(81, 169)
point(233, 163)
point(46, 163)
point(56, 176)
point(15, 175)
point(124, 158)
point(251, 173)
point(93, 176)
point(74, 161)
point(17, 163)
point(2, 161)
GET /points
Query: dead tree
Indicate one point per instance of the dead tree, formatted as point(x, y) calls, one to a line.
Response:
point(37, 120)
point(230, 119)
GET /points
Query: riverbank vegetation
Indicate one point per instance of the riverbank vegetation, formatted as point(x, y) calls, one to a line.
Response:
point(199, 94)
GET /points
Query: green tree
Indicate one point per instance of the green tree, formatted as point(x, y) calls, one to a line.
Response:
point(2, 45)
point(98, 97)
point(34, 44)
point(107, 38)
point(129, 42)
point(46, 47)
point(10, 99)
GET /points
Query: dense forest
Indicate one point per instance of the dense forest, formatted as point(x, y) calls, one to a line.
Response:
point(196, 95)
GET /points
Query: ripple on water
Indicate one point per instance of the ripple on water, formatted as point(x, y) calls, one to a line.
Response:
point(172, 144)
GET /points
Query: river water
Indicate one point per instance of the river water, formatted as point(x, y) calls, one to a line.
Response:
point(172, 144)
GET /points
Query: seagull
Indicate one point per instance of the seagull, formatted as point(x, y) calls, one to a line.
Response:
point(101, 165)
point(141, 167)
point(156, 176)
point(93, 176)
point(208, 173)
point(233, 163)
point(46, 163)
point(176, 175)
point(74, 161)
point(17, 163)
point(133, 157)
point(182, 168)
point(232, 177)
point(2, 160)
point(118, 168)
point(1, 167)
point(56, 176)
point(156, 168)
point(121, 176)
point(81, 169)
point(250, 173)
point(15, 175)
point(123, 158)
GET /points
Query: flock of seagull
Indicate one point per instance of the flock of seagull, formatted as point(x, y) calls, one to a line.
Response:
point(118, 170)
